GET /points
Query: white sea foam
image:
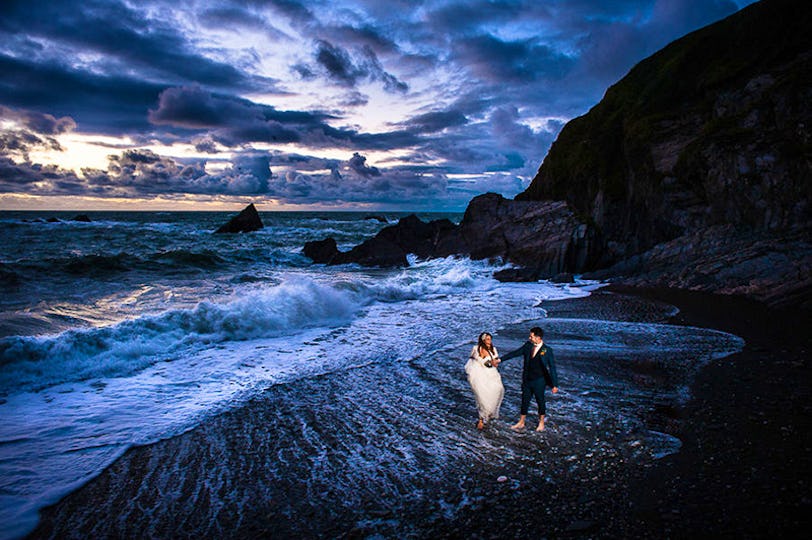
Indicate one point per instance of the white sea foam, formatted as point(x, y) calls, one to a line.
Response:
point(31, 363)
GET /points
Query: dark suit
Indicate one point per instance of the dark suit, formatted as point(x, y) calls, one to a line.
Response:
point(537, 372)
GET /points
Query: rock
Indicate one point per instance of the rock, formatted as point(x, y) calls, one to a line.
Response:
point(83, 218)
point(246, 221)
point(774, 268)
point(381, 219)
point(564, 277)
point(376, 251)
point(53, 220)
point(543, 236)
point(519, 275)
point(321, 251)
point(390, 246)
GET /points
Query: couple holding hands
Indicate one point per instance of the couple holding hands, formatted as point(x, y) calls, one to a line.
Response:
point(486, 382)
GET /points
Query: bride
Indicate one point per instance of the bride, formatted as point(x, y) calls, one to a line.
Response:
point(485, 379)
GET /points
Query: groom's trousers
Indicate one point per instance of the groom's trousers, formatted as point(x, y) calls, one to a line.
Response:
point(530, 389)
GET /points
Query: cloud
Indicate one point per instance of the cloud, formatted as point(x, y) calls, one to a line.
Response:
point(126, 38)
point(340, 67)
point(233, 121)
point(358, 164)
point(99, 103)
point(42, 123)
point(516, 61)
point(435, 121)
point(32, 131)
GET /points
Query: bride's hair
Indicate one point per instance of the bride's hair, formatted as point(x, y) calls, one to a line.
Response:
point(481, 342)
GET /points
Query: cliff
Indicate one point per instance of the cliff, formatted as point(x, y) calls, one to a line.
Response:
point(706, 140)
point(712, 129)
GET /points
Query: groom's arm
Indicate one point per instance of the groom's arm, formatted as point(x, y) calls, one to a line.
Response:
point(553, 371)
point(513, 354)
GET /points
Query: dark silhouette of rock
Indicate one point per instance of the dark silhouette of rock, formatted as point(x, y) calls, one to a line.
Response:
point(380, 219)
point(392, 244)
point(321, 251)
point(53, 220)
point(565, 277)
point(517, 275)
point(83, 218)
point(376, 251)
point(543, 236)
point(772, 268)
point(246, 221)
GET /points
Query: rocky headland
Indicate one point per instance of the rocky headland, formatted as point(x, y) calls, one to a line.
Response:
point(694, 171)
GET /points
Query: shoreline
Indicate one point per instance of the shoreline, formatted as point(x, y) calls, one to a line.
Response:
point(671, 497)
point(744, 467)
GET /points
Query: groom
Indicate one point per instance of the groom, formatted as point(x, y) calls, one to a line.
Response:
point(537, 373)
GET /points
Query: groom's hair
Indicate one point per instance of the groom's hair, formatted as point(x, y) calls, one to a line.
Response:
point(537, 331)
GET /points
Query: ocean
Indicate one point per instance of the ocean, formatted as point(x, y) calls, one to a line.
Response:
point(139, 327)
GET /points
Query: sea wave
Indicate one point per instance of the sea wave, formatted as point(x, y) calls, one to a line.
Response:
point(432, 277)
point(32, 363)
point(100, 265)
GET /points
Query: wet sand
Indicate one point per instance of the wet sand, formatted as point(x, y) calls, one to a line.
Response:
point(391, 450)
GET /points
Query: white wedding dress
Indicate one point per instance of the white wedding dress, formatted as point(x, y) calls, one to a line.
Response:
point(486, 382)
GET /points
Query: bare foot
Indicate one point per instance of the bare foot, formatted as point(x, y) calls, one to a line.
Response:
point(517, 426)
point(480, 425)
point(541, 425)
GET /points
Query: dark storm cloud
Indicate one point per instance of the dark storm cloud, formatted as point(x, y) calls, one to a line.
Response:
point(464, 17)
point(342, 68)
point(236, 17)
point(338, 63)
point(142, 173)
point(105, 104)
point(496, 60)
point(33, 131)
point(358, 164)
point(45, 124)
point(435, 121)
point(35, 177)
point(363, 35)
point(127, 38)
point(235, 121)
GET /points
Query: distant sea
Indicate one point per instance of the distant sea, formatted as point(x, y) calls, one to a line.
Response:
point(140, 326)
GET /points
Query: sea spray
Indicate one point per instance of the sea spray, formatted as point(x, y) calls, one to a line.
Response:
point(31, 363)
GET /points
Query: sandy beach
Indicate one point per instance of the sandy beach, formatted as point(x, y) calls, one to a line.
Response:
point(639, 446)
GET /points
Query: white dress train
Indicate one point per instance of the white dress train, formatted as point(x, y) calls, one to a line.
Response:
point(486, 382)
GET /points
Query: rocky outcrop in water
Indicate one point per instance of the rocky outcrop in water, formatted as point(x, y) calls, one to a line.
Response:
point(391, 245)
point(246, 221)
point(543, 237)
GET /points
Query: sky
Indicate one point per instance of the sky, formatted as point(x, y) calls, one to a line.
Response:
point(305, 105)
